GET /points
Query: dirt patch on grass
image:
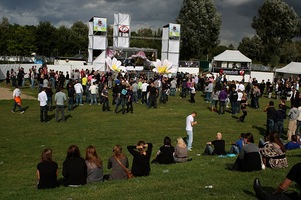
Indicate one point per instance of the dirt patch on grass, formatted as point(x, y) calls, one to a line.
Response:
point(7, 94)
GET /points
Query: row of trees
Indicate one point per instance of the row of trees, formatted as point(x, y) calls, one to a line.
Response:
point(200, 29)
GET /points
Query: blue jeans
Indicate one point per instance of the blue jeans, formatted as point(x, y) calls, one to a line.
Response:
point(208, 96)
point(135, 96)
point(49, 102)
point(278, 128)
point(189, 139)
point(70, 103)
point(120, 101)
point(234, 107)
point(234, 149)
point(79, 98)
point(32, 83)
point(270, 126)
point(208, 150)
point(298, 127)
point(172, 91)
point(222, 106)
point(93, 99)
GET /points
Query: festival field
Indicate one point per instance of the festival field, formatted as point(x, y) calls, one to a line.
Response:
point(23, 137)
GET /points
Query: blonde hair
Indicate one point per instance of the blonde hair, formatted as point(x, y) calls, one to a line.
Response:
point(181, 142)
point(219, 135)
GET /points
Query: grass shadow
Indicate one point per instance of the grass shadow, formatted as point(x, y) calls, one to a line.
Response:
point(262, 131)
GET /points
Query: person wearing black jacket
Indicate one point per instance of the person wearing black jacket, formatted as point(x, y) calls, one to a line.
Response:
point(142, 154)
point(280, 115)
point(233, 99)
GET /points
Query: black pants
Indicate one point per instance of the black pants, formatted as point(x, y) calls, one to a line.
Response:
point(242, 118)
point(44, 113)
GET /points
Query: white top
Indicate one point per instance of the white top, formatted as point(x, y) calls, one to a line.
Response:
point(93, 89)
point(299, 117)
point(16, 92)
point(239, 96)
point(42, 98)
point(78, 88)
point(241, 87)
point(144, 87)
point(189, 120)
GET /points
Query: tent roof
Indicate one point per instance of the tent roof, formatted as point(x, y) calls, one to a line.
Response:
point(232, 56)
point(292, 68)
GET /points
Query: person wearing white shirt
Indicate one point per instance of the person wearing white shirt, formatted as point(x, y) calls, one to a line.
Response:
point(78, 93)
point(42, 98)
point(189, 129)
point(93, 89)
point(144, 92)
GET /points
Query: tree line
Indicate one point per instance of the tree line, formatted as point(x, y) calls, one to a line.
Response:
point(276, 24)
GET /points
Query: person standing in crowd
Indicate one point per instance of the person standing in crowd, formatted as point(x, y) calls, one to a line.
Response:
point(7, 78)
point(243, 107)
point(94, 165)
point(279, 118)
point(78, 92)
point(144, 92)
point(42, 98)
point(233, 100)
point(294, 98)
point(189, 129)
point(271, 111)
point(60, 98)
point(93, 91)
point(153, 93)
point(292, 116)
point(173, 87)
point(129, 102)
point(121, 97)
point(192, 93)
point(74, 168)
point(142, 154)
point(222, 101)
point(49, 94)
point(71, 93)
point(262, 87)
point(209, 90)
point(47, 171)
point(135, 91)
point(17, 100)
point(105, 98)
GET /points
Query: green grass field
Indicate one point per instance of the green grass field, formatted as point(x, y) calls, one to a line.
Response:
point(23, 137)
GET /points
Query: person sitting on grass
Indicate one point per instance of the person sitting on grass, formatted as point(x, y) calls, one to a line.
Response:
point(273, 153)
point(293, 144)
point(94, 165)
point(165, 153)
point(180, 154)
point(142, 154)
point(74, 168)
point(47, 171)
point(218, 144)
point(292, 176)
point(118, 173)
point(236, 146)
point(249, 159)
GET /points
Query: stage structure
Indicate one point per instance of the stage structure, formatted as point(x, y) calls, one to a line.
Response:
point(121, 32)
point(171, 44)
point(98, 42)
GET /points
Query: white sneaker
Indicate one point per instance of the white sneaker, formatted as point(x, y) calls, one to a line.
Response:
point(22, 112)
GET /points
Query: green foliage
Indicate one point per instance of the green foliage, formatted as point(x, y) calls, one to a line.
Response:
point(275, 24)
point(200, 27)
point(23, 137)
point(251, 47)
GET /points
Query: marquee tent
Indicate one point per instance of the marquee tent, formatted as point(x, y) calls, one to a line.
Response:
point(292, 68)
point(232, 56)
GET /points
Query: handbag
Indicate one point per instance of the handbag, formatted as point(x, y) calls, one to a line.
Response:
point(128, 172)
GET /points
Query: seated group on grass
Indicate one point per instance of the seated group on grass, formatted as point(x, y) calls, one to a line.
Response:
point(78, 171)
point(270, 153)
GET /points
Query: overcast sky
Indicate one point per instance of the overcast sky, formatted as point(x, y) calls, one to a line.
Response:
point(236, 14)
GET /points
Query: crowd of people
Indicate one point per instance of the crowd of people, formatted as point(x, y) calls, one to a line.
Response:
point(93, 87)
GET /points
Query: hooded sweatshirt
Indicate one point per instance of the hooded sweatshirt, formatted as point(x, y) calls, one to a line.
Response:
point(293, 114)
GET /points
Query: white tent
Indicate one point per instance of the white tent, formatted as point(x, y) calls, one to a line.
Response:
point(232, 56)
point(292, 68)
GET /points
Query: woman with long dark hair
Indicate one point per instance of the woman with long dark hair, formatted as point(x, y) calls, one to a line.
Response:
point(74, 168)
point(47, 171)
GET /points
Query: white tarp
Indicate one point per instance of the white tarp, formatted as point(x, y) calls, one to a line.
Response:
point(292, 68)
point(232, 56)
